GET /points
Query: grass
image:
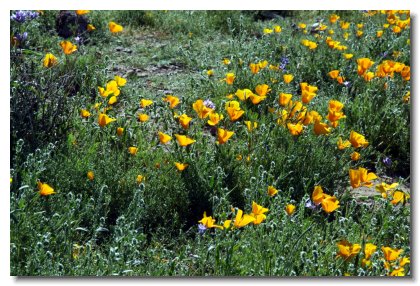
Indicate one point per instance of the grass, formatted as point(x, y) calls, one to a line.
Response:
point(116, 224)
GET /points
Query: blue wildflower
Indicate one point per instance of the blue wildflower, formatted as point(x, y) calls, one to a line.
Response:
point(387, 161)
point(201, 229)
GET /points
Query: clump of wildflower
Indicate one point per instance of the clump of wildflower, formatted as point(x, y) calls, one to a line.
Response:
point(21, 16)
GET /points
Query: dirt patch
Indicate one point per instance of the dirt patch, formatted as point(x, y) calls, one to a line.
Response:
point(152, 70)
point(364, 195)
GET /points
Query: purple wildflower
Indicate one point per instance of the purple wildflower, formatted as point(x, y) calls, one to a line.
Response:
point(21, 16)
point(21, 37)
point(208, 103)
point(309, 204)
point(201, 229)
point(387, 161)
point(284, 62)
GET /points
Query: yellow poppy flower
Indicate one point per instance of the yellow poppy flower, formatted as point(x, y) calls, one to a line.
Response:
point(290, 209)
point(210, 72)
point(358, 140)
point(400, 271)
point(242, 220)
point(396, 29)
point(114, 27)
point(112, 100)
point(132, 150)
point(223, 135)
point(287, 78)
point(230, 78)
point(82, 12)
point(180, 166)
point(330, 204)
point(256, 99)
point(334, 18)
point(184, 120)
point(302, 25)
point(366, 178)
point(284, 98)
point(145, 102)
point(227, 223)
point(403, 261)
point(164, 138)
point(355, 156)
point(202, 110)
point(361, 177)
point(347, 250)
point(312, 45)
point(363, 64)
point(233, 109)
point(347, 56)
point(143, 117)
point(321, 128)
point(344, 25)
point(334, 74)
point(263, 64)
point(90, 27)
point(120, 131)
point(111, 88)
point(334, 116)
point(335, 105)
point(255, 68)
point(104, 119)
point(318, 195)
point(226, 61)
point(271, 191)
point(50, 60)
point(406, 97)
point(370, 248)
point(340, 79)
point(184, 140)
point(368, 76)
point(399, 197)
point(384, 188)
point(45, 189)
point(307, 96)
point(209, 222)
point(405, 73)
point(173, 101)
point(67, 47)
point(139, 179)
point(243, 94)
point(214, 118)
point(262, 89)
point(295, 129)
point(90, 175)
point(267, 31)
point(84, 113)
point(258, 212)
point(120, 81)
point(391, 254)
point(379, 33)
point(308, 92)
point(277, 29)
point(308, 118)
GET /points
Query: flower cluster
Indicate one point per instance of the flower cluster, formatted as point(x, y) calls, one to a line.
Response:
point(22, 16)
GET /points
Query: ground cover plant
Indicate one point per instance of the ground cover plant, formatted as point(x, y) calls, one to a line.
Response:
point(221, 143)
